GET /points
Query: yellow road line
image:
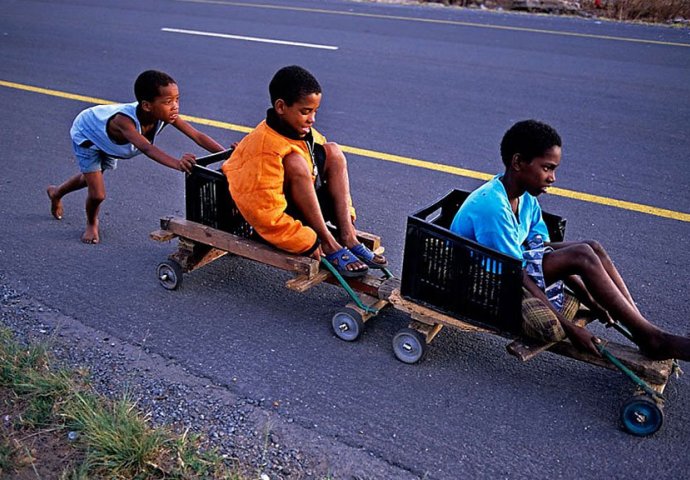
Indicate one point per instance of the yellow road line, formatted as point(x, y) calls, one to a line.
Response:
point(561, 192)
point(440, 21)
point(55, 93)
point(411, 162)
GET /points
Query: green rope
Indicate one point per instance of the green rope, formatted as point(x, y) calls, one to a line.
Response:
point(629, 373)
point(347, 288)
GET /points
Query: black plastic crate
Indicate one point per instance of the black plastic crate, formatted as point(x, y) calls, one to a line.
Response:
point(208, 201)
point(459, 277)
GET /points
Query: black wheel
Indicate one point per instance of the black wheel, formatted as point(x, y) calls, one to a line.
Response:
point(169, 274)
point(348, 324)
point(641, 416)
point(409, 345)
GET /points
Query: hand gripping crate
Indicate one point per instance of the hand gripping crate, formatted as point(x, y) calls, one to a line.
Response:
point(459, 277)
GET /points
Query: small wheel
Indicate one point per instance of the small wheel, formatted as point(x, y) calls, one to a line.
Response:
point(641, 416)
point(347, 324)
point(409, 345)
point(169, 274)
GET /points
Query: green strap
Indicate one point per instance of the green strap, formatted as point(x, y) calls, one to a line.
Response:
point(622, 329)
point(355, 298)
point(629, 373)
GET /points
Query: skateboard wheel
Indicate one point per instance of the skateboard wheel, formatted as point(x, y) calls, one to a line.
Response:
point(409, 345)
point(169, 274)
point(347, 324)
point(641, 416)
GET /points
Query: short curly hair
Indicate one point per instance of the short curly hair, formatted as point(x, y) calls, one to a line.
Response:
point(291, 84)
point(147, 85)
point(529, 138)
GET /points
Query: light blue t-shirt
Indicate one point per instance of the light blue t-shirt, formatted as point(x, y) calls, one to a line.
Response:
point(91, 124)
point(486, 218)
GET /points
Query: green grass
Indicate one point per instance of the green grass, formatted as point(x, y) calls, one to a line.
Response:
point(113, 439)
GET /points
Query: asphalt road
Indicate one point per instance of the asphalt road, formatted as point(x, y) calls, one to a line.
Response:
point(433, 84)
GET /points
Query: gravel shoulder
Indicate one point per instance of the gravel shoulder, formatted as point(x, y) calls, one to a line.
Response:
point(245, 430)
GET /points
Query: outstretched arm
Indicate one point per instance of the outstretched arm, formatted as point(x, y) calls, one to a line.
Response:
point(201, 139)
point(122, 126)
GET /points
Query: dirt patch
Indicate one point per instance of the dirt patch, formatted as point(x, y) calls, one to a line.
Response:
point(31, 453)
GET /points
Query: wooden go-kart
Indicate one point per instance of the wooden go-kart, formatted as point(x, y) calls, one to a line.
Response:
point(213, 227)
point(450, 281)
point(446, 281)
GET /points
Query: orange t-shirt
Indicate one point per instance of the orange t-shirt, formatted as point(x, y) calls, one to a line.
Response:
point(256, 175)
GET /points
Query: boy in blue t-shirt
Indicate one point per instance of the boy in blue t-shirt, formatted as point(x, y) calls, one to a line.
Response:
point(504, 214)
point(105, 133)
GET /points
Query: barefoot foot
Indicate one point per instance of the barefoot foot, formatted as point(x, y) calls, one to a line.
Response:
point(667, 346)
point(55, 202)
point(90, 235)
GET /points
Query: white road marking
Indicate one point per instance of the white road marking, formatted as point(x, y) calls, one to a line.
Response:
point(249, 39)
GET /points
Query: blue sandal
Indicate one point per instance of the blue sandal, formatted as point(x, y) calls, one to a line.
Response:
point(367, 256)
point(341, 259)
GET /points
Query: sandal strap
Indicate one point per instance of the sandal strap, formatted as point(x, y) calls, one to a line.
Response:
point(342, 257)
point(362, 251)
point(365, 254)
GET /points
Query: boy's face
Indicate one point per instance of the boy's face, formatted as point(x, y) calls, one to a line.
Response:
point(166, 105)
point(539, 174)
point(301, 115)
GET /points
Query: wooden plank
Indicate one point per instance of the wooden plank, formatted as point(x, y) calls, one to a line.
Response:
point(302, 283)
point(387, 287)
point(369, 284)
point(432, 317)
point(655, 372)
point(373, 242)
point(184, 253)
point(212, 254)
point(161, 235)
point(369, 301)
point(243, 247)
point(429, 331)
point(525, 350)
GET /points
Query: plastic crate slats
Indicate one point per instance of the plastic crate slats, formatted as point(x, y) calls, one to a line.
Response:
point(459, 277)
point(208, 201)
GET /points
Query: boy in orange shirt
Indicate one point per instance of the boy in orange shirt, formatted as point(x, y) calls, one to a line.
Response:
point(288, 181)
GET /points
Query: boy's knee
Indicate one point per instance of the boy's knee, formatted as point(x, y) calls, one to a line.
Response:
point(334, 154)
point(97, 197)
point(597, 247)
point(96, 193)
point(586, 255)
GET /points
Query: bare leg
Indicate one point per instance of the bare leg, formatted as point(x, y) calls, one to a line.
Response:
point(607, 264)
point(299, 189)
point(96, 195)
point(338, 182)
point(578, 287)
point(580, 259)
point(55, 194)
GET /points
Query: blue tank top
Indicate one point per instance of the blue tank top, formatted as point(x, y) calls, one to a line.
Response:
point(91, 125)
